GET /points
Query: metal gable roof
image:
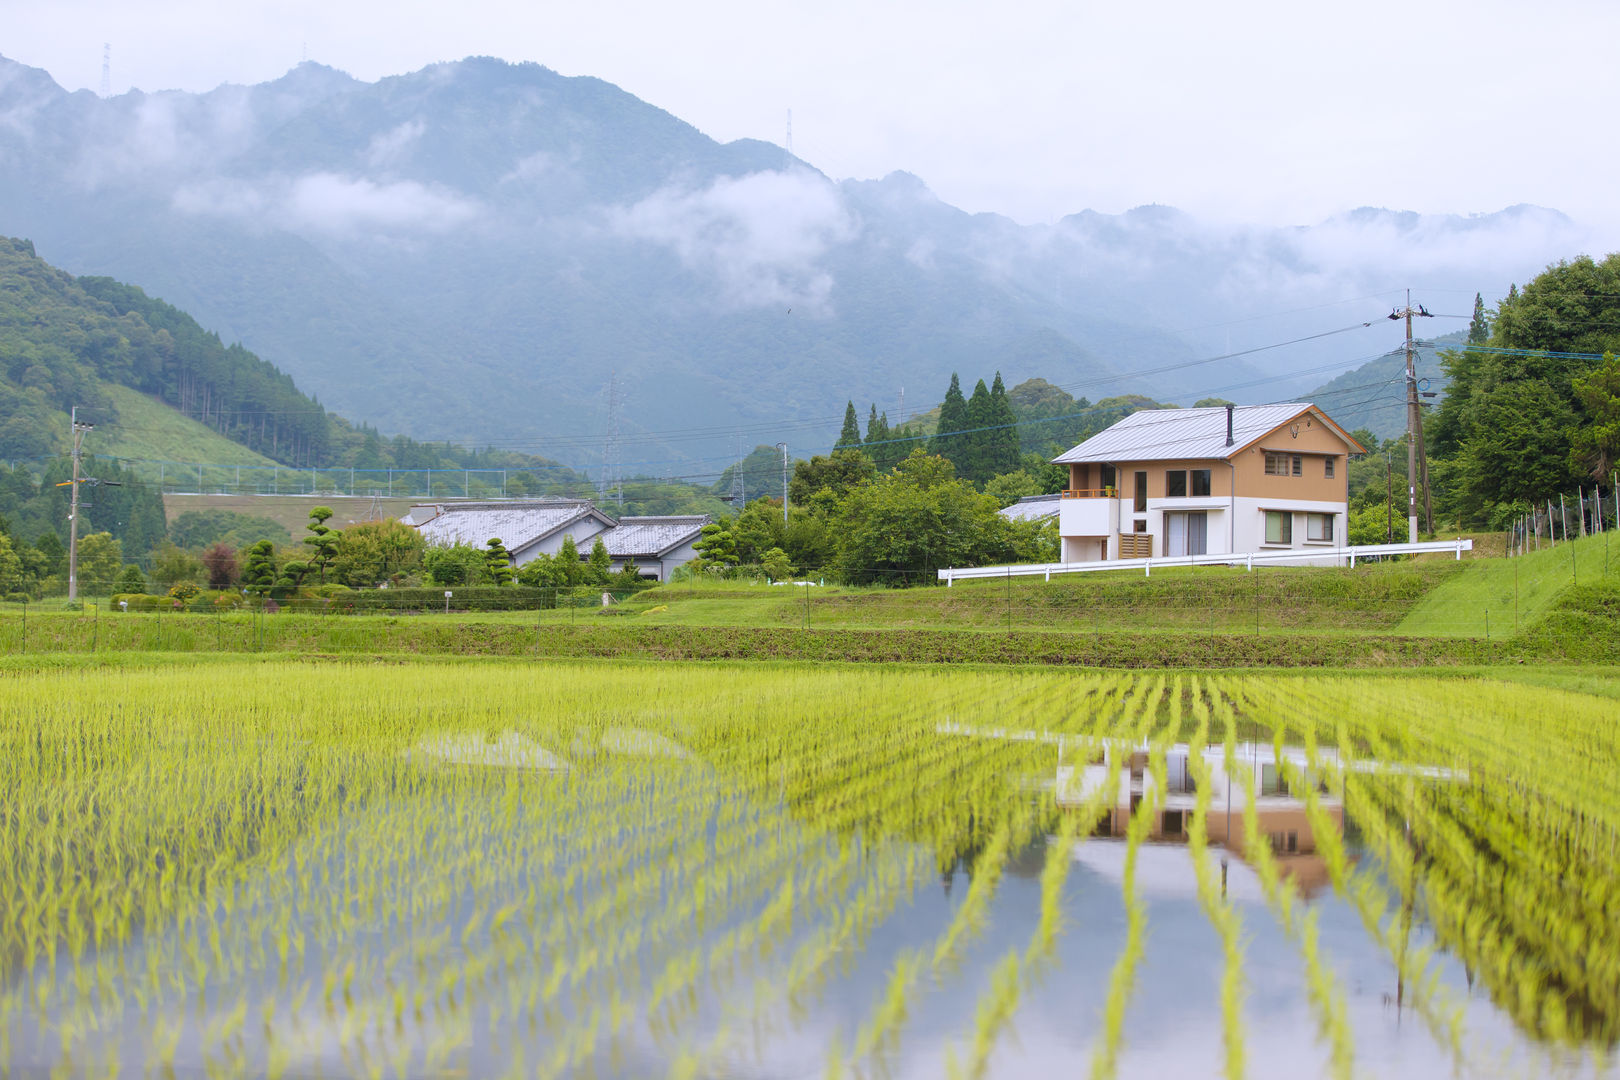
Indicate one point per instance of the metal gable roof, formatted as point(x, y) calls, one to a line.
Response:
point(1175, 434)
point(517, 524)
point(651, 537)
point(1033, 508)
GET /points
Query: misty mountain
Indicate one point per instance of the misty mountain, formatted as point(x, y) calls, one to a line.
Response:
point(472, 250)
point(1373, 395)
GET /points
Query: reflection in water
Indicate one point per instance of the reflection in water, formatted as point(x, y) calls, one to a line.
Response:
point(649, 900)
point(1282, 817)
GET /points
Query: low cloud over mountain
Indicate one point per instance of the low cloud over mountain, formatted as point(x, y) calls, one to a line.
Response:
point(470, 250)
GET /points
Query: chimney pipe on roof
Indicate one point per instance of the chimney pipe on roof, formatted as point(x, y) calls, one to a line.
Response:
point(1229, 425)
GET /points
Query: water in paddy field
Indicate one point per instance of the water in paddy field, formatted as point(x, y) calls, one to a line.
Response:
point(657, 918)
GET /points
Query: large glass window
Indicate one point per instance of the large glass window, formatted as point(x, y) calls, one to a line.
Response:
point(1279, 527)
point(1140, 505)
point(1200, 482)
point(1175, 484)
point(1319, 526)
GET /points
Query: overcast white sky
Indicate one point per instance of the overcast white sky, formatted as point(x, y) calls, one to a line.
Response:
point(1277, 112)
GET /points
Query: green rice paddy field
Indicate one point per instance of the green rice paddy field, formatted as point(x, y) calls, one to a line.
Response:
point(236, 865)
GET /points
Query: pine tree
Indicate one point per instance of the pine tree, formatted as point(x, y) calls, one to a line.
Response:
point(878, 447)
point(850, 437)
point(1479, 330)
point(323, 540)
point(1001, 441)
point(498, 561)
point(952, 419)
point(975, 460)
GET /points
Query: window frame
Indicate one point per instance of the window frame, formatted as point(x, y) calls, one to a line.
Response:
point(1329, 467)
point(1197, 478)
point(1171, 476)
point(1314, 518)
point(1286, 537)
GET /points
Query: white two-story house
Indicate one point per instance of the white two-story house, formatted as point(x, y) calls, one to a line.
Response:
point(1223, 480)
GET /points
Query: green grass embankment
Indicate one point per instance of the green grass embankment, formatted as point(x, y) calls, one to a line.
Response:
point(84, 634)
point(1406, 614)
point(1508, 595)
point(1370, 598)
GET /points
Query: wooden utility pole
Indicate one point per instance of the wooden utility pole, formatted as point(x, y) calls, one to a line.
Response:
point(79, 431)
point(1416, 460)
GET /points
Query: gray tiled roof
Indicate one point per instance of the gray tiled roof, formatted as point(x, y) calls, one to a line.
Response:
point(1172, 434)
point(1033, 508)
point(517, 524)
point(651, 537)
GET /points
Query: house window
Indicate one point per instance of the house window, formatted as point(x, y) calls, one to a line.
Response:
point(1284, 464)
point(1279, 527)
point(1175, 484)
point(1140, 504)
point(1140, 525)
point(1327, 467)
point(1319, 527)
point(1200, 482)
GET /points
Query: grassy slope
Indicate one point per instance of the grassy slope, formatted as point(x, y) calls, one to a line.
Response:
point(1516, 592)
point(148, 430)
point(1371, 598)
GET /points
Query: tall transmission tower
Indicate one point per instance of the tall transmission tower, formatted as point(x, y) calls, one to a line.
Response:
point(1417, 462)
point(106, 69)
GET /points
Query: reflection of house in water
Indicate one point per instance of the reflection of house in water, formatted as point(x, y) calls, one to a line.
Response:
point(1281, 812)
point(1084, 765)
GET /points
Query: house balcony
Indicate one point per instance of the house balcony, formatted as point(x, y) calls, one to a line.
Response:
point(1088, 512)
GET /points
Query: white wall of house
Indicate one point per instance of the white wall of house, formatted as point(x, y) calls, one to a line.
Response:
point(1090, 528)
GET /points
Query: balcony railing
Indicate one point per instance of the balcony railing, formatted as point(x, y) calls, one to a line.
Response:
point(1090, 493)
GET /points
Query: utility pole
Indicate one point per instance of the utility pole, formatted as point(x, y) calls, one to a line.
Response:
point(782, 446)
point(1389, 499)
point(1414, 427)
point(79, 431)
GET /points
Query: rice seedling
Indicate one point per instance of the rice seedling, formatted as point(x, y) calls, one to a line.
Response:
point(290, 868)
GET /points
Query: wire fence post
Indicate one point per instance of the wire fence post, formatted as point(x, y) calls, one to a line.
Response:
point(1256, 601)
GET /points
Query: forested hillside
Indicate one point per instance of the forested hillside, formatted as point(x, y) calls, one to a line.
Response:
point(146, 375)
point(65, 340)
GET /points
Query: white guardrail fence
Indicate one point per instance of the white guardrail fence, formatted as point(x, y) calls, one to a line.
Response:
point(1343, 556)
